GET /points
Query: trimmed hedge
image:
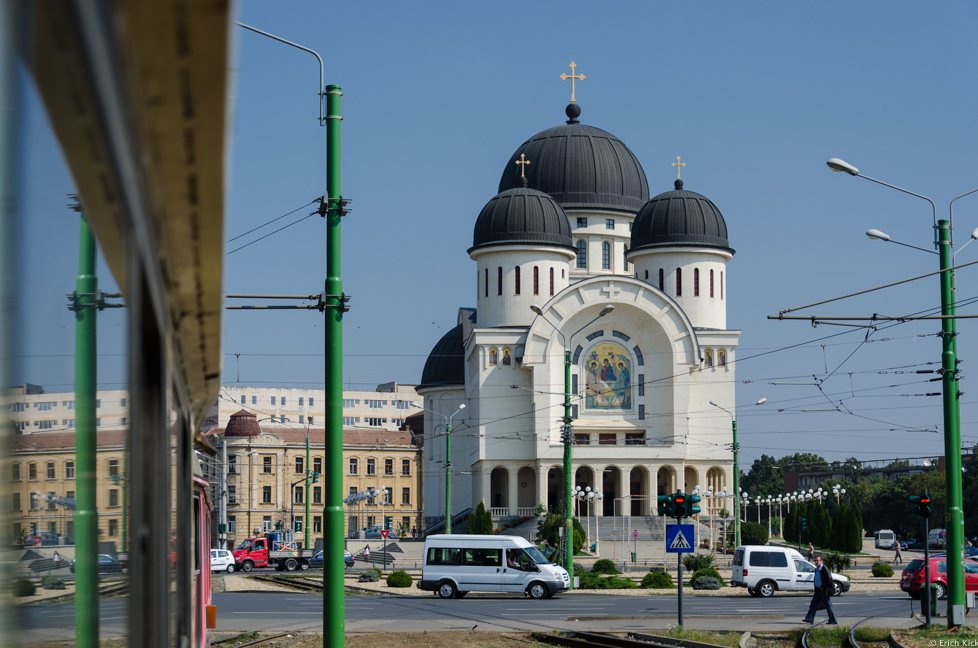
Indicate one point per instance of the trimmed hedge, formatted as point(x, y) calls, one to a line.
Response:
point(707, 583)
point(399, 578)
point(882, 570)
point(694, 562)
point(51, 582)
point(709, 571)
point(597, 581)
point(657, 580)
point(752, 533)
point(604, 566)
point(23, 587)
point(369, 576)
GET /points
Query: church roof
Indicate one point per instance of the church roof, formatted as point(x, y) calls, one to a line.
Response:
point(242, 423)
point(446, 362)
point(522, 216)
point(679, 218)
point(581, 166)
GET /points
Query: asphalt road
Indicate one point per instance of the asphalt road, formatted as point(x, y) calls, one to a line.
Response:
point(249, 611)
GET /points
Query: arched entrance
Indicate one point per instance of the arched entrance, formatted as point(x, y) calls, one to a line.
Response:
point(691, 479)
point(665, 480)
point(638, 488)
point(611, 487)
point(527, 485)
point(499, 489)
point(555, 489)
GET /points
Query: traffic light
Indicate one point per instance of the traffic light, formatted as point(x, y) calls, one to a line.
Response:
point(115, 480)
point(665, 505)
point(679, 508)
point(691, 507)
point(278, 525)
point(298, 526)
point(315, 477)
point(915, 504)
point(925, 505)
point(804, 523)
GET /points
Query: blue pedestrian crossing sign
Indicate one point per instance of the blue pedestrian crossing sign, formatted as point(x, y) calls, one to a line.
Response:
point(679, 538)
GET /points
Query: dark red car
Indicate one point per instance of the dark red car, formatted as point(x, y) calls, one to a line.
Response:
point(913, 576)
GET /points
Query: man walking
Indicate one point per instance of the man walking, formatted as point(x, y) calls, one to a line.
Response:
point(898, 558)
point(823, 581)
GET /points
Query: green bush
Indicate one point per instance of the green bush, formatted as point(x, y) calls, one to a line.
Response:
point(707, 583)
point(882, 570)
point(480, 522)
point(399, 578)
point(694, 562)
point(752, 533)
point(23, 587)
point(709, 571)
point(580, 569)
point(578, 541)
point(836, 562)
point(51, 582)
point(604, 566)
point(369, 576)
point(657, 580)
point(591, 580)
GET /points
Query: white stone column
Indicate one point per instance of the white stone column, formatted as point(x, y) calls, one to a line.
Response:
point(513, 496)
point(541, 484)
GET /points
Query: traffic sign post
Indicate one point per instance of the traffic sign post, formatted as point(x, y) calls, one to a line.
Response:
point(384, 533)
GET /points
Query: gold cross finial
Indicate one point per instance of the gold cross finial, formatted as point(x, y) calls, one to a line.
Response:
point(522, 162)
point(678, 163)
point(572, 76)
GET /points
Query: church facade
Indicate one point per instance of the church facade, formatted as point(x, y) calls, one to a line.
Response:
point(573, 256)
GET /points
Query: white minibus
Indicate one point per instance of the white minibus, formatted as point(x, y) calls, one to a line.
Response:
point(455, 565)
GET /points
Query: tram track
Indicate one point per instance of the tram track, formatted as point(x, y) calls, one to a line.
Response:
point(602, 640)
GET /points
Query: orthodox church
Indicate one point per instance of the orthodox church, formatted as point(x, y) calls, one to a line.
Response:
point(573, 257)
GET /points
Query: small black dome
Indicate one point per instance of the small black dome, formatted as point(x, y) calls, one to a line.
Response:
point(682, 218)
point(522, 216)
point(581, 166)
point(446, 362)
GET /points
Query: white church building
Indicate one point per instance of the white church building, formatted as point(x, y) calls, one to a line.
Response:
point(573, 231)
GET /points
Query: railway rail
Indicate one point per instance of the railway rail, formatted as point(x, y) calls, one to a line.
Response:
point(601, 640)
point(294, 583)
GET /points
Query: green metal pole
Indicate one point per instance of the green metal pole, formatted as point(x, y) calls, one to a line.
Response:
point(448, 477)
point(308, 494)
point(86, 517)
point(334, 608)
point(736, 492)
point(568, 467)
point(952, 435)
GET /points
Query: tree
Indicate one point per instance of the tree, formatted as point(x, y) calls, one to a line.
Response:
point(480, 522)
point(752, 533)
point(765, 477)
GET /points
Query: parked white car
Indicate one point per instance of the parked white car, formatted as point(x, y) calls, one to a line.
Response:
point(764, 570)
point(222, 560)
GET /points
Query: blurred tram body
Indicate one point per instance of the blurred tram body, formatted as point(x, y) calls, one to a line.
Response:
point(137, 96)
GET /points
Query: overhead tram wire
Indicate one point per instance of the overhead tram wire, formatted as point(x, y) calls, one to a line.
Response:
point(255, 229)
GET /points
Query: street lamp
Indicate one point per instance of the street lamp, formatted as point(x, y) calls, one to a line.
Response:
point(448, 462)
point(736, 468)
point(567, 435)
point(743, 502)
point(944, 243)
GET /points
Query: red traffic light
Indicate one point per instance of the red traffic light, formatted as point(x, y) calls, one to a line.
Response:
point(679, 499)
point(925, 500)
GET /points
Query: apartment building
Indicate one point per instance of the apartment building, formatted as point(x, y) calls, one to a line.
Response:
point(32, 409)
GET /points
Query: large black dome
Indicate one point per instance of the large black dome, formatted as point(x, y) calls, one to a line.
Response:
point(581, 167)
point(523, 216)
point(679, 218)
point(446, 362)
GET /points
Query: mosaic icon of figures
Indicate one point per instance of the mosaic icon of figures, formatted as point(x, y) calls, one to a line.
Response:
point(608, 382)
point(493, 356)
point(507, 359)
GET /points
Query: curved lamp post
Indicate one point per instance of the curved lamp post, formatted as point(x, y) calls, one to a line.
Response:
point(736, 469)
point(944, 243)
point(568, 436)
point(448, 461)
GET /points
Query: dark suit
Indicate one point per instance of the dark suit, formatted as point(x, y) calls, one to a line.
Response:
point(821, 597)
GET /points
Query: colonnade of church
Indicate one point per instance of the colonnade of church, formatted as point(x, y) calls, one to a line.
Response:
point(516, 490)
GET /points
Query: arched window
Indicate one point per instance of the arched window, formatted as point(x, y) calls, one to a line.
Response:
point(721, 358)
point(711, 283)
point(606, 256)
point(624, 258)
point(499, 280)
point(536, 280)
point(517, 280)
point(708, 358)
point(662, 280)
point(646, 275)
point(582, 254)
point(679, 282)
point(696, 282)
point(551, 282)
point(487, 282)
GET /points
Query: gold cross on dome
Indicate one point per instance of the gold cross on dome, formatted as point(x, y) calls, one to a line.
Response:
point(522, 162)
point(572, 76)
point(678, 163)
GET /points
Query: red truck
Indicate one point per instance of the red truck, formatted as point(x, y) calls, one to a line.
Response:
point(276, 549)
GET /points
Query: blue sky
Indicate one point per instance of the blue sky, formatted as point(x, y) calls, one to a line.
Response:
point(755, 97)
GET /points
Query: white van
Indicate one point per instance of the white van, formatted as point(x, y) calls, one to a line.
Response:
point(936, 539)
point(763, 570)
point(885, 539)
point(455, 565)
